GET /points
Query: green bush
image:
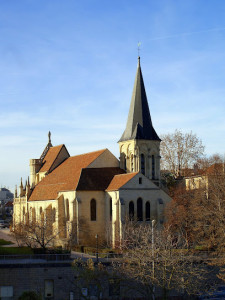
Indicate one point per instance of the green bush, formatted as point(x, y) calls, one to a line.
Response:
point(31, 295)
point(15, 250)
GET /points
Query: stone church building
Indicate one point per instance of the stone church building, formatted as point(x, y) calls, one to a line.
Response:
point(94, 193)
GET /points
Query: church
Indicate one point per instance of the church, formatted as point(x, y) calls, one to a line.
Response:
point(95, 193)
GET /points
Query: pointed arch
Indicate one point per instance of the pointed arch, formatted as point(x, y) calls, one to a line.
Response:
point(139, 209)
point(33, 215)
point(93, 207)
point(132, 163)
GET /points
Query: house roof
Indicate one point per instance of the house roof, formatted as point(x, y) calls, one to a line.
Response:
point(217, 168)
point(50, 157)
point(120, 180)
point(65, 177)
point(139, 123)
point(97, 179)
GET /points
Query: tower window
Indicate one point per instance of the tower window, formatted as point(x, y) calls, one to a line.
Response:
point(93, 210)
point(147, 211)
point(139, 210)
point(140, 180)
point(125, 163)
point(142, 164)
point(153, 167)
point(131, 210)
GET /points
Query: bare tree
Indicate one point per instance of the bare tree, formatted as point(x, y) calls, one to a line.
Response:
point(37, 233)
point(181, 213)
point(91, 279)
point(153, 258)
point(180, 151)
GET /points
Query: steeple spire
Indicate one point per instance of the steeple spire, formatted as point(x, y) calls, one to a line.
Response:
point(139, 123)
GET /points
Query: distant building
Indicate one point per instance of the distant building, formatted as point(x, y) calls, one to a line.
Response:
point(204, 178)
point(93, 194)
point(6, 199)
point(6, 195)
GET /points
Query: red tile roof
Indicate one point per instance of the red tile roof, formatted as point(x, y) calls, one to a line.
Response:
point(120, 180)
point(215, 169)
point(50, 158)
point(64, 178)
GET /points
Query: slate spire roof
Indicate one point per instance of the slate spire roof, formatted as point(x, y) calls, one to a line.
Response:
point(139, 123)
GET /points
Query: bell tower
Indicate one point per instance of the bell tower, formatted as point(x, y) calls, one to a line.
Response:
point(140, 144)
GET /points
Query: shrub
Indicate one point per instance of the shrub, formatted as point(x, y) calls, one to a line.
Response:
point(31, 295)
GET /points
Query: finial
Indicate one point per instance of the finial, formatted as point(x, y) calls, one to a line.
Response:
point(139, 49)
point(21, 184)
point(16, 191)
point(49, 137)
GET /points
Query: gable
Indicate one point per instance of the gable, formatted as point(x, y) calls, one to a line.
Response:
point(105, 160)
point(134, 183)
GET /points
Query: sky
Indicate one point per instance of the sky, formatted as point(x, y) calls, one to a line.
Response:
point(69, 67)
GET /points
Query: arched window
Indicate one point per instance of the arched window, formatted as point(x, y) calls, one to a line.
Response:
point(153, 167)
point(161, 207)
point(147, 211)
point(53, 214)
point(131, 210)
point(110, 209)
point(67, 212)
point(142, 164)
point(93, 210)
point(132, 163)
point(33, 215)
point(40, 210)
point(125, 163)
point(139, 210)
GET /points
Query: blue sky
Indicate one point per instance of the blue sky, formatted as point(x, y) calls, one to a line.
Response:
point(69, 67)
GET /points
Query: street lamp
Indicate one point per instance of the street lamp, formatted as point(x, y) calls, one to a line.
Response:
point(153, 262)
point(96, 248)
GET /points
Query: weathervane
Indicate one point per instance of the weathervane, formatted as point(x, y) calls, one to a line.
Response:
point(139, 45)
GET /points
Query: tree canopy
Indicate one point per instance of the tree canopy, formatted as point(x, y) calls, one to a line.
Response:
point(180, 151)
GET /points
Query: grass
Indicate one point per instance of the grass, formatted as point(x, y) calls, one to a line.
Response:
point(15, 251)
point(4, 242)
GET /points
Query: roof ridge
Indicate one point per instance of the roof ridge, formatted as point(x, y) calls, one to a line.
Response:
point(102, 150)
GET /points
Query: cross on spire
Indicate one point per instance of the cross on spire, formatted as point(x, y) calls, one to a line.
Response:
point(139, 48)
point(49, 136)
